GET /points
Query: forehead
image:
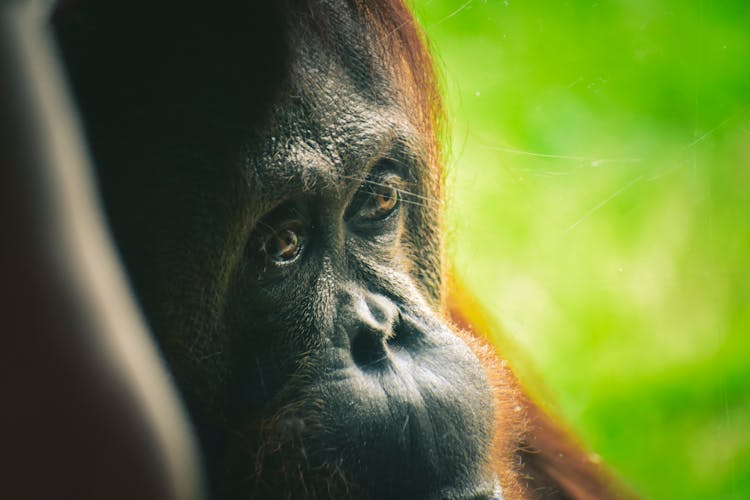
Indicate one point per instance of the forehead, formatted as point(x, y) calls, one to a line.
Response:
point(338, 113)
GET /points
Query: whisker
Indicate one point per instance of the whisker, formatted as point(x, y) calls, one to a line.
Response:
point(419, 201)
point(429, 199)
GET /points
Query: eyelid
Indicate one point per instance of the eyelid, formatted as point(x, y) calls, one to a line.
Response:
point(390, 179)
point(286, 212)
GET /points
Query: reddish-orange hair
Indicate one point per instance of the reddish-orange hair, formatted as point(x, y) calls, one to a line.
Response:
point(534, 455)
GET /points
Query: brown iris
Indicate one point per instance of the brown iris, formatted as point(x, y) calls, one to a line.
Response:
point(386, 199)
point(383, 200)
point(284, 244)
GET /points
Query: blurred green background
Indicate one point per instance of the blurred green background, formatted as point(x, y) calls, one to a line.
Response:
point(599, 206)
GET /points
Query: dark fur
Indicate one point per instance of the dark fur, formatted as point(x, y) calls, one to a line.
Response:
point(209, 120)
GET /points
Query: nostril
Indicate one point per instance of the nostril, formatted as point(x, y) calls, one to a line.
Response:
point(368, 348)
point(370, 321)
point(381, 310)
point(380, 315)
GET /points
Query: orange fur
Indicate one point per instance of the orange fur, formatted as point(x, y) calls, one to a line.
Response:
point(534, 454)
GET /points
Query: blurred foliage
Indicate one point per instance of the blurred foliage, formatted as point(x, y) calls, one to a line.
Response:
point(599, 174)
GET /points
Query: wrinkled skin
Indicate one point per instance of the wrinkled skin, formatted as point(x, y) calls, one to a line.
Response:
point(286, 253)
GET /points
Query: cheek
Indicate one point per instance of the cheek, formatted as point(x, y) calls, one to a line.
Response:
point(382, 261)
point(383, 244)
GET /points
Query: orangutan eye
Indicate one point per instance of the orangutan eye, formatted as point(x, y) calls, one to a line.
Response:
point(386, 200)
point(381, 198)
point(285, 243)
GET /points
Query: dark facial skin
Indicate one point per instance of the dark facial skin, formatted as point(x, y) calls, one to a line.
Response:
point(289, 266)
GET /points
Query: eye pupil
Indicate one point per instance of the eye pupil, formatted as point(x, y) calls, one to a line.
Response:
point(387, 200)
point(283, 245)
point(383, 202)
